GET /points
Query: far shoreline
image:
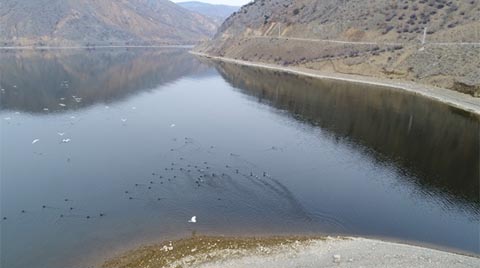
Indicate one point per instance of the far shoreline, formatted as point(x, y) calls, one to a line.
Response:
point(451, 98)
point(40, 48)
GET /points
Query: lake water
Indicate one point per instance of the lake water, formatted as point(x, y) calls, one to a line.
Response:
point(105, 150)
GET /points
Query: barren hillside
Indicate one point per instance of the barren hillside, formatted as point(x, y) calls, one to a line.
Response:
point(428, 41)
point(98, 22)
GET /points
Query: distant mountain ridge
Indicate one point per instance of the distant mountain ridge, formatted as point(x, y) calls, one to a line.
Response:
point(98, 21)
point(217, 12)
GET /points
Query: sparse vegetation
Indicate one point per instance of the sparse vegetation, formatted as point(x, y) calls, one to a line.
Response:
point(369, 21)
point(72, 22)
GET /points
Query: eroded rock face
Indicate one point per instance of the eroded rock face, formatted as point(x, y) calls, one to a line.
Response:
point(473, 90)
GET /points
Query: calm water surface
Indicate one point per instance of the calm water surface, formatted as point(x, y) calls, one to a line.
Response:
point(129, 145)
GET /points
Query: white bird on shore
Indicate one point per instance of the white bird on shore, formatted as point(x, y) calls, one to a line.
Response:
point(66, 140)
point(61, 133)
point(61, 104)
point(193, 219)
point(35, 141)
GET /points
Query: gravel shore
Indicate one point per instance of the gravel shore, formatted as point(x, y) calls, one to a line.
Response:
point(352, 252)
point(278, 252)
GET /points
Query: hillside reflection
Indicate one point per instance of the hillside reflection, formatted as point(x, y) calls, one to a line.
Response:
point(436, 146)
point(42, 82)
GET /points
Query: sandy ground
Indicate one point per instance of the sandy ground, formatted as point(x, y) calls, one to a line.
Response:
point(354, 252)
point(449, 97)
point(278, 252)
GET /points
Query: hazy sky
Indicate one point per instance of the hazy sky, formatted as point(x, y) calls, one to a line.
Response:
point(223, 2)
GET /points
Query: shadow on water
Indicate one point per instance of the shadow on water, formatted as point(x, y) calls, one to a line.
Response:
point(438, 146)
point(56, 81)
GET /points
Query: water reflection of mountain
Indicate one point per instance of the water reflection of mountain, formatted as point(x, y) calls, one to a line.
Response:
point(436, 145)
point(33, 81)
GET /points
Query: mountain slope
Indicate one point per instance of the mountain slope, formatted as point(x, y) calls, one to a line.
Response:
point(358, 19)
point(293, 32)
point(100, 21)
point(217, 12)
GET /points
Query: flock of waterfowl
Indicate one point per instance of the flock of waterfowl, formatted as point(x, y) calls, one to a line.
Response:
point(178, 166)
point(200, 174)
